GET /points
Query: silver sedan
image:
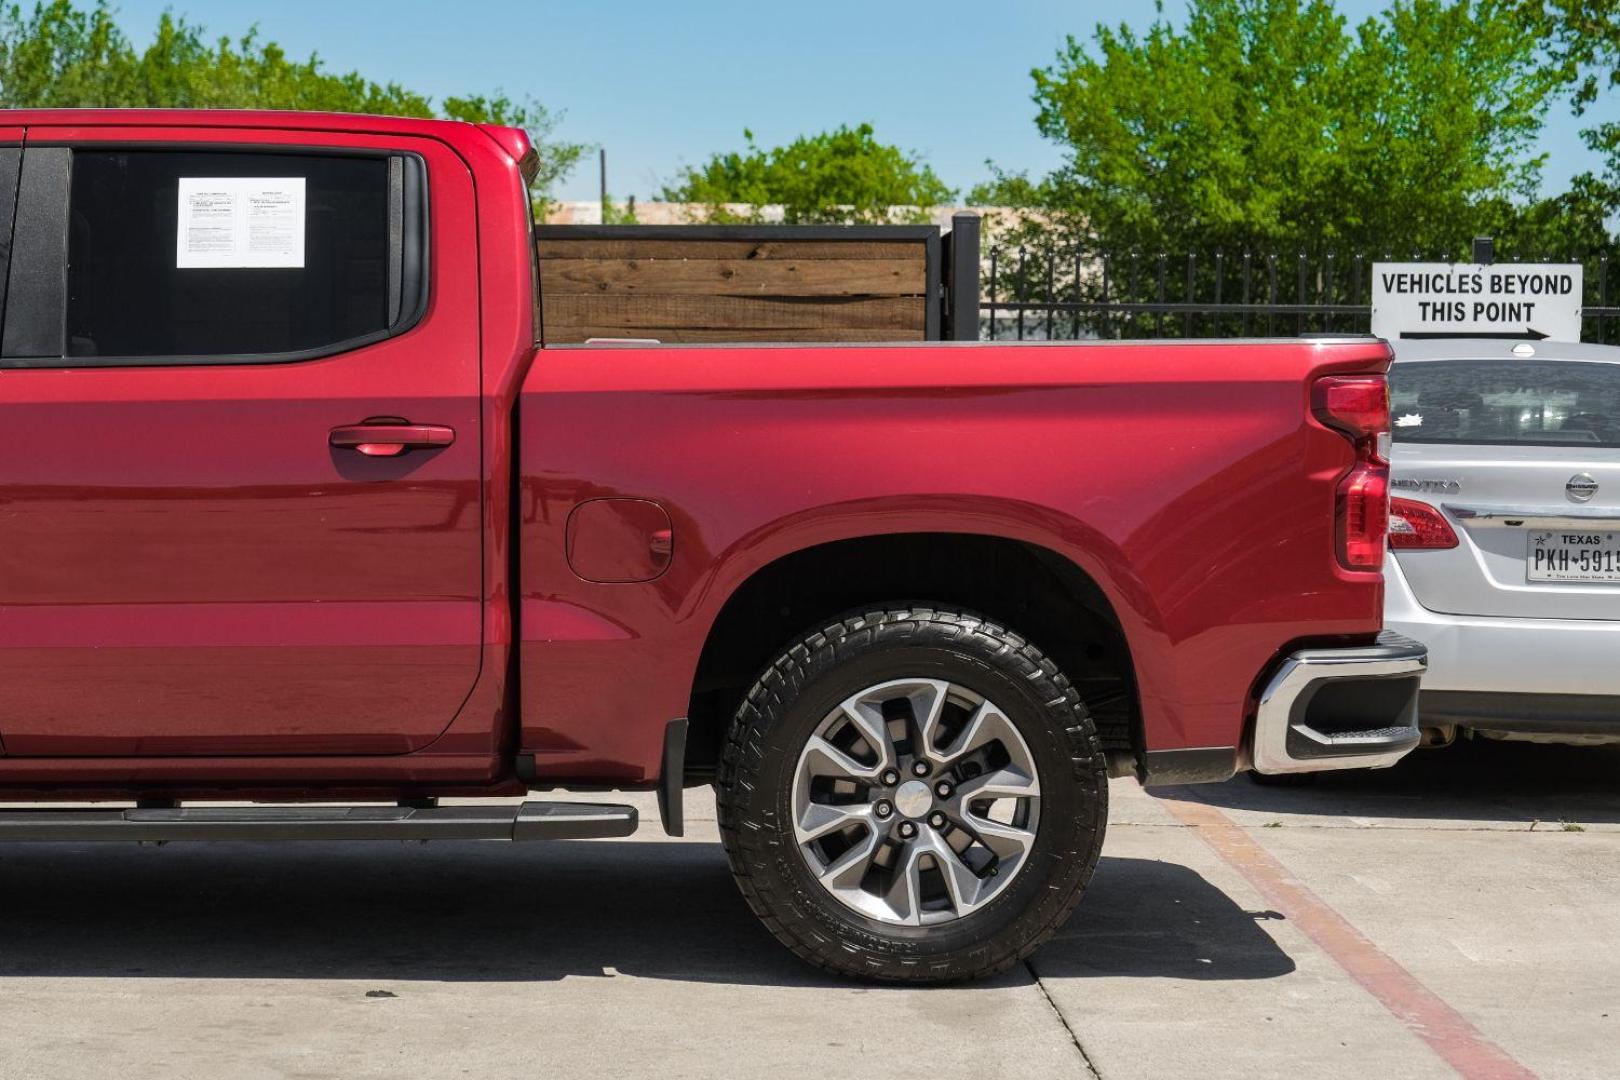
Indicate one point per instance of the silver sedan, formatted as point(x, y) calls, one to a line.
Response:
point(1505, 535)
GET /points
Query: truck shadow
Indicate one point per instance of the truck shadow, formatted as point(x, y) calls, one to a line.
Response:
point(493, 912)
point(1474, 780)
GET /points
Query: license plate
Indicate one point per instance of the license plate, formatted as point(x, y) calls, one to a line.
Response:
point(1573, 555)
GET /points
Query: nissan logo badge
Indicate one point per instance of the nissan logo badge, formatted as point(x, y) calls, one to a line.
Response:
point(1581, 487)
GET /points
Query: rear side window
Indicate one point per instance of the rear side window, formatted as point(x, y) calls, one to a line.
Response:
point(1501, 402)
point(224, 255)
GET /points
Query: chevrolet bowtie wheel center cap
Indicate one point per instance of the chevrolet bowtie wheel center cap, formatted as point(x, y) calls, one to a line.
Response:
point(913, 798)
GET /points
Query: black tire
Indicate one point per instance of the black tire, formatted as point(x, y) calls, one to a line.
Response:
point(794, 695)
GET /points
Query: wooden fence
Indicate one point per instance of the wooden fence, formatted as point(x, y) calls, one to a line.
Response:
point(745, 283)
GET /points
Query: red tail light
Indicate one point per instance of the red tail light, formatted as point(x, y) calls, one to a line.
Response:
point(1415, 525)
point(1357, 406)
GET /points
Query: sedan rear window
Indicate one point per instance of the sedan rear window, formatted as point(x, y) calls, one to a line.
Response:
point(1534, 402)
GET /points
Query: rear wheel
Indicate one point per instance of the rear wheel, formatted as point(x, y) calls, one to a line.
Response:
point(912, 795)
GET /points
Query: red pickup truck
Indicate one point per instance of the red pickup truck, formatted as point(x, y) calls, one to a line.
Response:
point(301, 533)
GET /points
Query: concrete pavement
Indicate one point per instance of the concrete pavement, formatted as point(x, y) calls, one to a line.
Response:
point(1488, 876)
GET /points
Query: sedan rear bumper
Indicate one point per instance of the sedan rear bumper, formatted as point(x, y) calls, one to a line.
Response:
point(1340, 708)
point(1510, 656)
point(1585, 715)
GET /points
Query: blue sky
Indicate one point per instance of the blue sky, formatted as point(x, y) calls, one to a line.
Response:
point(664, 84)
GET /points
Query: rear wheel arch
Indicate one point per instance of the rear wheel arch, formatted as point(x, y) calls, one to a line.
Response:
point(1029, 587)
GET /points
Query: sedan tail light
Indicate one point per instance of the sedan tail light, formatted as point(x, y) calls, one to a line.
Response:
point(1357, 407)
point(1415, 526)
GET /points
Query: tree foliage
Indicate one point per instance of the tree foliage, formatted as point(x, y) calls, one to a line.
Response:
point(1273, 124)
point(59, 55)
point(840, 176)
point(1583, 39)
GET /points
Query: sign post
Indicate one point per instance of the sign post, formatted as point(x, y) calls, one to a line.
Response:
point(1529, 301)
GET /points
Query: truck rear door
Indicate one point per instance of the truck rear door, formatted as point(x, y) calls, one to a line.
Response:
point(1521, 457)
point(239, 447)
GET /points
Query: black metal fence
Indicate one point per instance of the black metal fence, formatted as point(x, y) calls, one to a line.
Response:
point(1075, 294)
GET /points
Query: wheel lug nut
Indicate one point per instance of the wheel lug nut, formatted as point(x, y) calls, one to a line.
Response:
point(890, 778)
point(907, 830)
point(943, 789)
point(919, 768)
point(937, 820)
point(884, 809)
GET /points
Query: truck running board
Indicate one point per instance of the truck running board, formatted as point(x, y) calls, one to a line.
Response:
point(528, 821)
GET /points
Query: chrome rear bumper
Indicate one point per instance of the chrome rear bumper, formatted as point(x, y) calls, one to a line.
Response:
point(1341, 708)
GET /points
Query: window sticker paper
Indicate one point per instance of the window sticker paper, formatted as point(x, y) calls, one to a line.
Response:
point(238, 222)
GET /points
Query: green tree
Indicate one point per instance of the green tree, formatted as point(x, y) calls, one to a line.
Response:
point(1572, 224)
point(1583, 37)
point(1273, 124)
point(840, 176)
point(1583, 40)
point(59, 55)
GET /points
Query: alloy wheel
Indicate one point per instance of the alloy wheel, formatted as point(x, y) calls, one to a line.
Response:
point(915, 802)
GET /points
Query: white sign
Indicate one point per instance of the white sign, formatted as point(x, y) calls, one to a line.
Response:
point(1450, 300)
point(234, 222)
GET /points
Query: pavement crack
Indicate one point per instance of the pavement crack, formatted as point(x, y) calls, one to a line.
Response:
point(1091, 1067)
